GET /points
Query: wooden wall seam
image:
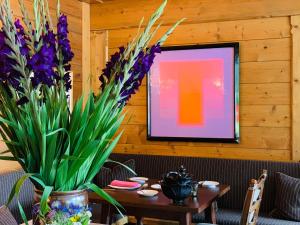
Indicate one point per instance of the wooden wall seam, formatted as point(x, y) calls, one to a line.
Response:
point(99, 51)
point(86, 50)
point(295, 83)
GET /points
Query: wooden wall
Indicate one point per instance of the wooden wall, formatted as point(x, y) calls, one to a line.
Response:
point(269, 70)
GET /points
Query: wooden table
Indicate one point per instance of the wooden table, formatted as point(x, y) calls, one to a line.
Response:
point(161, 207)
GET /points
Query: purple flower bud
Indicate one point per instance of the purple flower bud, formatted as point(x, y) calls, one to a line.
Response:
point(140, 68)
point(65, 47)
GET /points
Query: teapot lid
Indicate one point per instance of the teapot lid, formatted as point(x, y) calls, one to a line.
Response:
point(182, 172)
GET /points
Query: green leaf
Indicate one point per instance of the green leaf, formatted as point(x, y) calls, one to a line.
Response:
point(101, 158)
point(23, 215)
point(105, 196)
point(17, 187)
point(44, 200)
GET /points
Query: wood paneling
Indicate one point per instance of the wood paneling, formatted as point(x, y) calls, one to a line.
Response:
point(295, 21)
point(255, 50)
point(86, 50)
point(263, 29)
point(99, 53)
point(122, 13)
point(211, 152)
point(213, 32)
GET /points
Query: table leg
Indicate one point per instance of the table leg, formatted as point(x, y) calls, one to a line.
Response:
point(210, 213)
point(105, 213)
point(186, 219)
point(139, 220)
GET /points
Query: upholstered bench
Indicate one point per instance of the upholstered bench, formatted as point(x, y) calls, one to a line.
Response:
point(7, 180)
point(236, 173)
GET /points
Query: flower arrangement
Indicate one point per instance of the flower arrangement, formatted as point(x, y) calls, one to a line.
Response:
point(62, 149)
point(61, 215)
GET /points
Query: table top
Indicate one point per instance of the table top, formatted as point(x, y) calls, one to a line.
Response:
point(130, 198)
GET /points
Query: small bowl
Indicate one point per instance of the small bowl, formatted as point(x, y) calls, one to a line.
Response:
point(147, 193)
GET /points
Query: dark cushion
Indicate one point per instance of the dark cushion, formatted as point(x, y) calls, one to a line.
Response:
point(104, 177)
point(111, 172)
point(287, 200)
point(236, 173)
point(233, 217)
point(6, 218)
point(119, 172)
point(7, 180)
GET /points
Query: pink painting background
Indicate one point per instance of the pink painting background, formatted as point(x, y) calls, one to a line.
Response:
point(192, 93)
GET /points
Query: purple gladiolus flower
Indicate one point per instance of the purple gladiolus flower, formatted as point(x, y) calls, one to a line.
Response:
point(21, 39)
point(44, 61)
point(141, 67)
point(65, 47)
point(110, 65)
point(42, 64)
point(8, 75)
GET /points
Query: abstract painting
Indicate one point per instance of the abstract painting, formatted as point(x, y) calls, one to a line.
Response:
point(193, 94)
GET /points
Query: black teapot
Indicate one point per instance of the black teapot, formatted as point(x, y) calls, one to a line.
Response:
point(177, 185)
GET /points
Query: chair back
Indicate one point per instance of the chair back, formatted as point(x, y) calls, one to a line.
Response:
point(253, 200)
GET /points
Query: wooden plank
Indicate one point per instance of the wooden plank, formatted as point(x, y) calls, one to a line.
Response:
point(265, 50)
point(265, 72)
point(69, 7)
point(265, 115)
point(186, 34)
point(77, 72)
point(265, 94)
point(118, 14)
point(98, 57)
point(74, 22)
point(258, 50)
point(77, 90)
point(86, 55)
point(251, 137)
point(295, 22)
point(210, 152)
point(75, 40)
point(250, 115)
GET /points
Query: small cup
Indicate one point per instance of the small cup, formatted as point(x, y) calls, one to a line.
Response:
point(195, 186)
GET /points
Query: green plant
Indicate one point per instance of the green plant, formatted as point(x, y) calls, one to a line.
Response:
point(59, 148)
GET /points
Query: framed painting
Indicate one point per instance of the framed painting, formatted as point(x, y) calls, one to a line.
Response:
point(193, 94)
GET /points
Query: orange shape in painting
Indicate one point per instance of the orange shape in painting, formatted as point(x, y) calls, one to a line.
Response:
point(192, 78)
point(190, 97)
